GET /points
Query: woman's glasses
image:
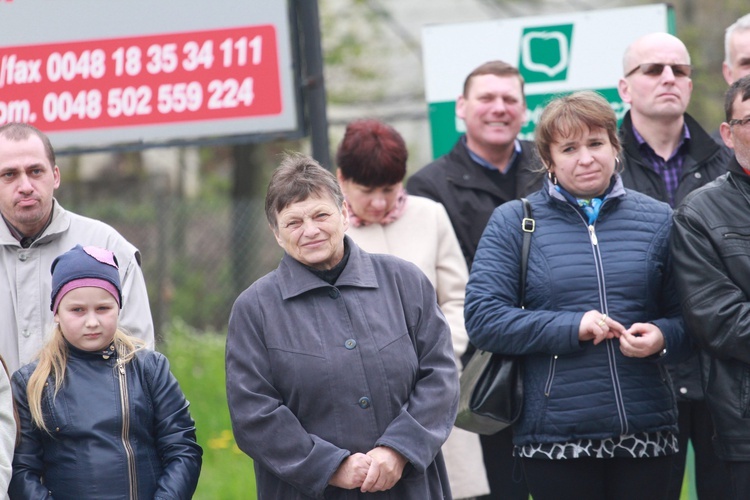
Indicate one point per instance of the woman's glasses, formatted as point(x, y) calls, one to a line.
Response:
point(656, 69)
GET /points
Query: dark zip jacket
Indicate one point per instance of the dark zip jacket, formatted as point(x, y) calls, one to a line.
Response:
point(117, 432)
point(711, 251)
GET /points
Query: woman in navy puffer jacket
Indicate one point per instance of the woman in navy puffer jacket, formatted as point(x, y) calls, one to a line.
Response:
point(601, 316)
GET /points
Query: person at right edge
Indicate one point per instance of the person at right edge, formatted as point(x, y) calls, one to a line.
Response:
point(487, 167)
point(601, 316)
point(666, 155)
point(712, 267)
point(736, 57)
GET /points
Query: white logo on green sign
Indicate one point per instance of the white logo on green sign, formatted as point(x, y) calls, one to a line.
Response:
point(545, 53)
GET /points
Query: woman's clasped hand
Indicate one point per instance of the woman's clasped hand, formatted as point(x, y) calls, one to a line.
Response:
point(378, 470)
point(638, 341)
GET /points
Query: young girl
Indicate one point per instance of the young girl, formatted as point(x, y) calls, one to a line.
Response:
point(101, 417)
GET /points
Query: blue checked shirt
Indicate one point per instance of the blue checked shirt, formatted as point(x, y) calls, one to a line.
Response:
point(670, 169)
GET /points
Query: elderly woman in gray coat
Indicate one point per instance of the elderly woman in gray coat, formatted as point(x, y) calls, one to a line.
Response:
point(340, 373)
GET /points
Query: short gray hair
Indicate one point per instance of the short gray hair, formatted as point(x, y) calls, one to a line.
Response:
point(298, 177)
point(741, 24)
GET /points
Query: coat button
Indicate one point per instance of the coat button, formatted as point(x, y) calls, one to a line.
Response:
point(23, 256)
point(333, 293)
point(364, 403)
point(683, 390)
point(26, 333)
point(698, 175)
point(350, 344)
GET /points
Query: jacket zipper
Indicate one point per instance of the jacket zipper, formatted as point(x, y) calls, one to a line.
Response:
point(738, 236)
point(125, 408)
point(608, 343)
point(610, 346)
point(550, 375)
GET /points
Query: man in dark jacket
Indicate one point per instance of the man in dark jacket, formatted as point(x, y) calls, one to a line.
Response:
point(712, 266)
point(666, 155)
point(487, 167)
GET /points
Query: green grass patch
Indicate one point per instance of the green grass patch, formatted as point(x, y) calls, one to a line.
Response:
point(197, 360)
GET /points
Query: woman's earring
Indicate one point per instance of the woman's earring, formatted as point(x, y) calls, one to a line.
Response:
point(552, 177)
point(618, 164)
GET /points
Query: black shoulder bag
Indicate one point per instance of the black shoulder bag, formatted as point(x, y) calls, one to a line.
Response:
point(491, 384)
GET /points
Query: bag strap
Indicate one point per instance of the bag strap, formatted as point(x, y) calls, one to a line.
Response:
point(528, 224)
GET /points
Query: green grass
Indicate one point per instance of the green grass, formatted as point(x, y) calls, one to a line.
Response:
point(197, 360)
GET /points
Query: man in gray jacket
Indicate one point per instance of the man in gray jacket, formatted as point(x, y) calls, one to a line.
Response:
point(35, 230)
point(667, 154)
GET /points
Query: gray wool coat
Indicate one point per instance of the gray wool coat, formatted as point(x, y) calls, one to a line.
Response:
point(317, 372)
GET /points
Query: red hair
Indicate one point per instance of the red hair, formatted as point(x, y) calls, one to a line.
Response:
point(372, 154)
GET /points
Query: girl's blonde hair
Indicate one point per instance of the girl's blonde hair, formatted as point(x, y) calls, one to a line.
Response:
point(53, 360)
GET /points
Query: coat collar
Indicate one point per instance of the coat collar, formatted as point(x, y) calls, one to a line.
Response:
point(618, 190)
point(737, 172)
point(59, 224)
point(295, 279)
point(75, 352)
point(472, 175)
point(699, 147)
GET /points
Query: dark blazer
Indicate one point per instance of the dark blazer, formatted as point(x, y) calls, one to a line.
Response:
point(705, 161)
point(469, 197)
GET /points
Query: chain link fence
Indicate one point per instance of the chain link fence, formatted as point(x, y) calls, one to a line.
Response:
point(197, 254)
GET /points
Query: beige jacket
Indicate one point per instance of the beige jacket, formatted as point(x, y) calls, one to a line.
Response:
point(424, 236)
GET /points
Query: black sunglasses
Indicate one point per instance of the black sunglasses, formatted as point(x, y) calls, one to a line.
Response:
point(656, 69)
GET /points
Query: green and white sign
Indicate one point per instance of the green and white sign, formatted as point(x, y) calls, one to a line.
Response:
point(556, 54)
point(545, 53)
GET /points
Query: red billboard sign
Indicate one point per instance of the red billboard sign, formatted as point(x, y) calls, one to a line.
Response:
point(155, 79)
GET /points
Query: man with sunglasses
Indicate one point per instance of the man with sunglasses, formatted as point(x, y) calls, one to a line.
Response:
point(711, 252)
point(666, 155)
